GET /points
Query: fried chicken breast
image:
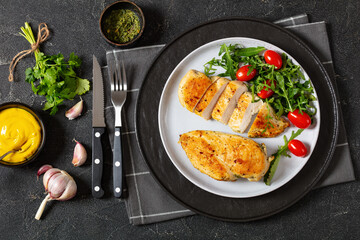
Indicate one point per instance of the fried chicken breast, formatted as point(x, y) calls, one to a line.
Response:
point(225, 157)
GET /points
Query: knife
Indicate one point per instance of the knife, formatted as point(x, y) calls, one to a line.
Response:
point(98, 130)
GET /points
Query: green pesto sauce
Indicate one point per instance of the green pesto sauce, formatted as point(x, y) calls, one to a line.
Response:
point(122, 25)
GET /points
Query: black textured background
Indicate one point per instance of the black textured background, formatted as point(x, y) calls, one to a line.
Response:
point(327, 213)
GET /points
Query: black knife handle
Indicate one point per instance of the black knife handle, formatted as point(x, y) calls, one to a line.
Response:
point(117, 163)
point(97, 161)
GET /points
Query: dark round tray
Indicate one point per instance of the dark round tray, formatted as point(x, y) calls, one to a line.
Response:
point(162, 168)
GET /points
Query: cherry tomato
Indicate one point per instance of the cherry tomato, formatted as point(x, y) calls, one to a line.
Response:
point(297, 148)
point(299, 120)
point(242, 73)
point(273, 58)
point(266, 93)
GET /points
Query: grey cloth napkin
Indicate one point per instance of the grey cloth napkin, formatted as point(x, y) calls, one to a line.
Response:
point(146, 202)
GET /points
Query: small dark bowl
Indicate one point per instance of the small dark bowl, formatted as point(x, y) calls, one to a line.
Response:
point(122, 5)
point(39, 120)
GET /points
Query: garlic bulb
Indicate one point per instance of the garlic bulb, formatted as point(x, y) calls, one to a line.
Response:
point(58, 184)
point(80, 154)
point(75, 111)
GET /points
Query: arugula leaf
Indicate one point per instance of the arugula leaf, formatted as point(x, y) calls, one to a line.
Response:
point(209, 67)
point(250, 51)
point(282, 151)
point(54, 77)
point(228, 62)
point(231, 56)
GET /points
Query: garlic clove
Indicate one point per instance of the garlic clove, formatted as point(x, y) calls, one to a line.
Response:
point(70, 191)
point(49, 174)
point(58, 185)
point(43, 169)
point(51, 181)
point(75, 111)
point(80, 154)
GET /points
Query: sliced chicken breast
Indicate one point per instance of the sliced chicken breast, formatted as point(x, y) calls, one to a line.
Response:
point(192, 87)
point(228, 102)
point(245, 109)
point(208, 101)
point(225, 98)
point(267, 123)
point(232, 103)
point(225, 157)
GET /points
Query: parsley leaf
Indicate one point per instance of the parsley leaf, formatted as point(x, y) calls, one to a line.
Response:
point(53, 77)
point(83, 86)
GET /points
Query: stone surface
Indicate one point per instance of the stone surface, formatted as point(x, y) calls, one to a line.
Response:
point(326, 213)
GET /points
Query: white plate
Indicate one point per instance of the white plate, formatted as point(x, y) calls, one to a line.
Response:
point(175, 120)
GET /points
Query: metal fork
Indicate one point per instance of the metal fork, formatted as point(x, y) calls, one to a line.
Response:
point(118, 97)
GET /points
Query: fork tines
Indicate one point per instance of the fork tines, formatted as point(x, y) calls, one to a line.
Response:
point(118, 77)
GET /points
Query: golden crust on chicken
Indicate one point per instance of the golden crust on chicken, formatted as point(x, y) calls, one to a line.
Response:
point(245, 109)
point(192, 87)
point(267, 124)
point(225, 99)
point(209, 99)
point(225, 157)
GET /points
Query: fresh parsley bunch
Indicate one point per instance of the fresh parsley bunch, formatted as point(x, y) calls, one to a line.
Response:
point(53, 77)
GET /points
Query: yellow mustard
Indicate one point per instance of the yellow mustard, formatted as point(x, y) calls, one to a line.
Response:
point(19, 130)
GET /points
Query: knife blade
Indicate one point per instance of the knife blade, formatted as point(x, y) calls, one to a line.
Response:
point(98, 130)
